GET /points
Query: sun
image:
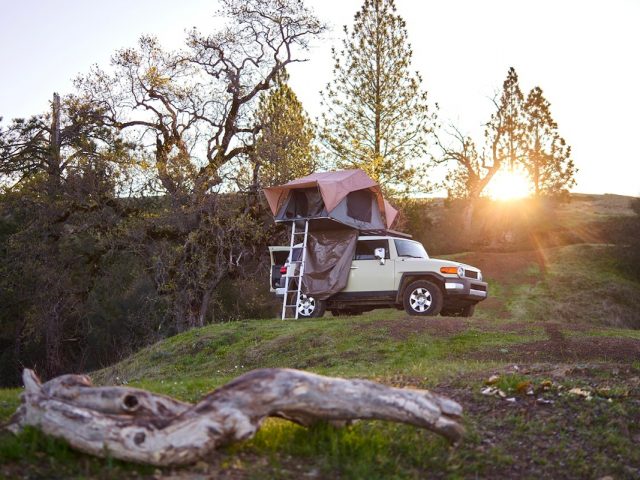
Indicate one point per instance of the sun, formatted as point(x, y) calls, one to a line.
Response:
point(508, 185)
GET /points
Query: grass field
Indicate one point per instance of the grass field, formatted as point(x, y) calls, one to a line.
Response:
point(557, 320)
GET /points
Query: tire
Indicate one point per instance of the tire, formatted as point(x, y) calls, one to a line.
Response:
point(309, 307)
point(422, 298)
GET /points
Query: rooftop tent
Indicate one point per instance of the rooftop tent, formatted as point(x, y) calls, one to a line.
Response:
point(339, 204)
point(348, 197)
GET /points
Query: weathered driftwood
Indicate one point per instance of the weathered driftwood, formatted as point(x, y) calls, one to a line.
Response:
point(139, 426)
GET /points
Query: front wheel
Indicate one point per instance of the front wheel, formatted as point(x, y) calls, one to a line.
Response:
point(309, 307)
point(422, 298)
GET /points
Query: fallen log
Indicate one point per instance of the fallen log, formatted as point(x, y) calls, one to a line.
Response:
point(139, 426)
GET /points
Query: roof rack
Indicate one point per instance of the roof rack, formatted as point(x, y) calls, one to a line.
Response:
point(386, 232)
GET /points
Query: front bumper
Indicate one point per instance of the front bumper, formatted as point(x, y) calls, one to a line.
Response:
point(466, 289)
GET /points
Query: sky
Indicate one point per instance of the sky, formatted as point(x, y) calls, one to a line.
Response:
point(582, 53)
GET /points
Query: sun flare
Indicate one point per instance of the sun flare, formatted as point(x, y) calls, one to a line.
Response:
point(508, 185)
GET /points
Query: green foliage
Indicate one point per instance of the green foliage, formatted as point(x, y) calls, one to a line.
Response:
point(109, 244)
point(547, 158)
point(284, 148)
point(42, 455)
point(506, 127)
point(376, 114)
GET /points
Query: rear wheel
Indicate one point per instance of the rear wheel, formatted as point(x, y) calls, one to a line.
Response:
point(309, 307)
point(422, 298)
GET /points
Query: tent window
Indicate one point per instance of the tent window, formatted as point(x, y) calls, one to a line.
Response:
point(359, 205)
point(303, 203)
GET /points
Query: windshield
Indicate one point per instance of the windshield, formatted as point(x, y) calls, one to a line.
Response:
point(407, 248)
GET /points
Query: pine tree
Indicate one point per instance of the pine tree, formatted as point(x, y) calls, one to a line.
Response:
point(548, 157)
point(376, 114)
point(505, 131)
point(285, 148)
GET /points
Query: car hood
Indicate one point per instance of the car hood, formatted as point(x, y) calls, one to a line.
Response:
point(436, 263)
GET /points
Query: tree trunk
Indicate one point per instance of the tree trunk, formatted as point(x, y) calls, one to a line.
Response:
point(54, 160)
point(53, 337)
point(467, 218)
point(139, 426)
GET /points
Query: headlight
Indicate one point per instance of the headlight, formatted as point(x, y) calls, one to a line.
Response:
point(479, 275)
point(453, 271)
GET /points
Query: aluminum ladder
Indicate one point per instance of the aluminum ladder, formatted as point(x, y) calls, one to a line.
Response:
point(295, 271)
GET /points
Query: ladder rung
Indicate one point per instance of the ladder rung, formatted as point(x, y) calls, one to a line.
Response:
point(295, 278)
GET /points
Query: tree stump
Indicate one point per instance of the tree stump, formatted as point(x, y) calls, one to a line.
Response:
point(139, 426)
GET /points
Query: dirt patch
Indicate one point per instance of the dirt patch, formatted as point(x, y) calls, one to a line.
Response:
point(404, 328)
point(496, 306)
point(558, 439)
point(562, 349)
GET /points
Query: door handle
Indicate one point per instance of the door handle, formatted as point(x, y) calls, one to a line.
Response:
point(354, 268)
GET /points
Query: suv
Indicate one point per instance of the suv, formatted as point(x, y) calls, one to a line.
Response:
point(391, 272)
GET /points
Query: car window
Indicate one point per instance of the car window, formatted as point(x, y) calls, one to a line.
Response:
point(280, 257)
point(365, 249)
point(406, 248)
point(296, 254)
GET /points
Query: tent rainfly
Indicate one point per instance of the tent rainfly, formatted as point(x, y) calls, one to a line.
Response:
point(348, 197)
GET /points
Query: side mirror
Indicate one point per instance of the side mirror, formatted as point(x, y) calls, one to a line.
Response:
point(379, 253)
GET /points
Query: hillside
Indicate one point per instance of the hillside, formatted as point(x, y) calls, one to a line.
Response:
point(559, 319)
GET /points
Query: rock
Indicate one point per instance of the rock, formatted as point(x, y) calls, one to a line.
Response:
point(580, 392)
point(525, 387)
point(492, 379)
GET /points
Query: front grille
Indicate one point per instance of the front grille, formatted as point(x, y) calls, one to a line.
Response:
point(475, 286)
point(471, 274)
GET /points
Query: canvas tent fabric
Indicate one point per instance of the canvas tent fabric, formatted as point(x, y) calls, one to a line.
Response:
point(328, 262)
point(346, 196)
point(338, 205)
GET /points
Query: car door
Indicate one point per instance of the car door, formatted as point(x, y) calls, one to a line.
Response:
point(367, 274)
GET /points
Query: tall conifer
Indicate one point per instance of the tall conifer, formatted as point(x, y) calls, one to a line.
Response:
point(376, 113)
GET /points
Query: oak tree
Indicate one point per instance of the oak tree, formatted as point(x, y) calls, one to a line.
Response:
point(193, 112)
point(503, 147)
